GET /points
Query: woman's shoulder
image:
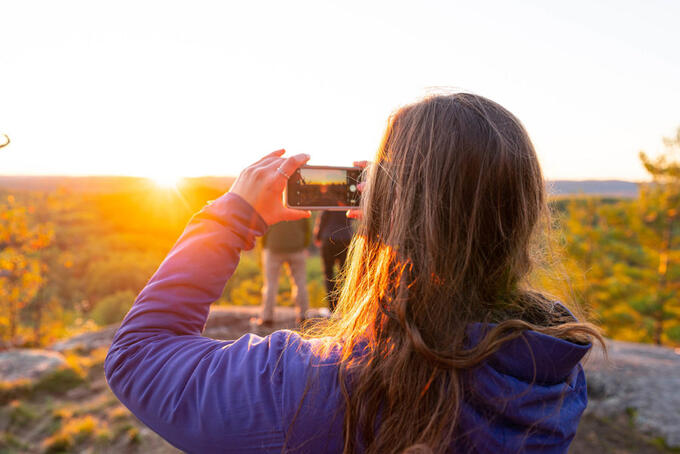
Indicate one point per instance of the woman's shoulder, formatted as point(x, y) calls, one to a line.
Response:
point(302, 350)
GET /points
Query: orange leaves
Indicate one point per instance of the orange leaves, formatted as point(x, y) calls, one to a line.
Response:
point(22, 237)
point(663, 263)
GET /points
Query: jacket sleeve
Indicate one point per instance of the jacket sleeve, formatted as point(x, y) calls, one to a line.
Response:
point(200, 394)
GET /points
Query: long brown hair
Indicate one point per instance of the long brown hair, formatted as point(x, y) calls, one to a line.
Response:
point(451, 210)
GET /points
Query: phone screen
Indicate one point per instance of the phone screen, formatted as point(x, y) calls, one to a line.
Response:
point(324, 187)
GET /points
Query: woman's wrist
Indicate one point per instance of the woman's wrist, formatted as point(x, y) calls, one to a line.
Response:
point(231, 207)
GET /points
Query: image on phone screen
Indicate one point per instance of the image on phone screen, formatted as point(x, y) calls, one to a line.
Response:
point(317, 187)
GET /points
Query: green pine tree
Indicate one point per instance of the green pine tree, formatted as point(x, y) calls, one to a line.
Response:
point(659, 232)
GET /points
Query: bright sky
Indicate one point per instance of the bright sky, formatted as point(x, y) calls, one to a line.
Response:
point(205, 87)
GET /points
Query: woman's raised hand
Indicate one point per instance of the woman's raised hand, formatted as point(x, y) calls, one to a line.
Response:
point(261, 185)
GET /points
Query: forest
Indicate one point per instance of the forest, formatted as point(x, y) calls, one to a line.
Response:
point(73, 255)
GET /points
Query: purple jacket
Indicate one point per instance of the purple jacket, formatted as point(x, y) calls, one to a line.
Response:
point(204, 395)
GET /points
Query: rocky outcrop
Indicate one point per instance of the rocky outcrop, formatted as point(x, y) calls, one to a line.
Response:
point(87, 342)
point(28, 365)
point(231, 322)
point(640, 381)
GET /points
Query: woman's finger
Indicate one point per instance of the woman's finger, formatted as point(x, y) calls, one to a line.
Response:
point(354, 214)
point(293, 163)
point(293, 215)
point(273, 161)
point(273, 154)
point(361, 164)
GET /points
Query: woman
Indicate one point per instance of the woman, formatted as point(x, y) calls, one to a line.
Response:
point(437, 345)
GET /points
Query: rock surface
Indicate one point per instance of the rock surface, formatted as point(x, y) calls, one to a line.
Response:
point(28, 364)
point(640, 381)
point(231, 322)
point(87, 342)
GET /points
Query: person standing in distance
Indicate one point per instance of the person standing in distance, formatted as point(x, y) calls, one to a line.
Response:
point(332, 234)
point(285, 243)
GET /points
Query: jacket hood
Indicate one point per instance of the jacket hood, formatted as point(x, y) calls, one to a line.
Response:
point(533, 357)
point(527, 397)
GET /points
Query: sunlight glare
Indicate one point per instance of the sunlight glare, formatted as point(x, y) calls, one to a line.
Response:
point(165, 181)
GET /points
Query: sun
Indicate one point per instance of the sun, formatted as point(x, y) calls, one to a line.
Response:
point(165, 180)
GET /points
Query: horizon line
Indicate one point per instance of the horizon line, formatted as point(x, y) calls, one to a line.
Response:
point(102, 175)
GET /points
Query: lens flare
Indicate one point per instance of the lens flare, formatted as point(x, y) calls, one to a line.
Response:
point(165, 180)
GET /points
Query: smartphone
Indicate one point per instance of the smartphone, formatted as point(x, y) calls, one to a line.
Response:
point(324, 188)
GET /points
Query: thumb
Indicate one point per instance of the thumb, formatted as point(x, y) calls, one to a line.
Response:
point(293, 215)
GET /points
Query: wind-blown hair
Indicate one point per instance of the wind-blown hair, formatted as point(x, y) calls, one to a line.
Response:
point(452, 207)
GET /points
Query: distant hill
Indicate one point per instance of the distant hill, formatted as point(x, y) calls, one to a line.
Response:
point(109, 184)
point(617, 188)
point(100, 184)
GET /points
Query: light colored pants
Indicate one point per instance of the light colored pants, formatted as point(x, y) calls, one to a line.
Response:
point(297, 272)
